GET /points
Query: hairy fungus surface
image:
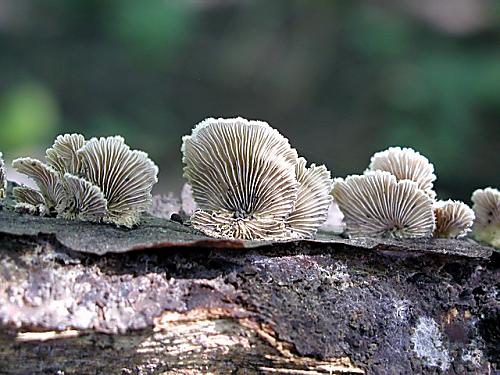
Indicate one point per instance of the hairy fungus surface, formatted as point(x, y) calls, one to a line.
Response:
point(487, 210)
point(125, 177)
point(453, 219)
point(377, 204)
point(313, 199)
point(406, 164)
point(3, 179)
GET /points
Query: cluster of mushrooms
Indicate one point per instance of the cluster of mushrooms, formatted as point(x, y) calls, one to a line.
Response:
point(249, 183)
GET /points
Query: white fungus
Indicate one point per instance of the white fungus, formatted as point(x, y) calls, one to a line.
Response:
point(85, 201)
point(406, 164)
point(45, 177)
point(248, 182)
point(63, 157)
point(243, 178)
point(3, 179)
point(124, 176)
point(487, 209)
point(376, 204)
point(453, 219)
point(313, 200)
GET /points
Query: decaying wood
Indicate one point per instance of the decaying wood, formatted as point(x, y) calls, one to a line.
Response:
point(74, 299)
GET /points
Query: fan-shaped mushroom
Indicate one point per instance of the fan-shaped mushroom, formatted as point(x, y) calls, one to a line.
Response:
point(243, 178)
point(63, 157)
point(85, 201)
point(45, 177)
point(313, 200)
point(124, 176)
point(376, 204)
point(487, 209)
point(453, 219)
point(406, 164)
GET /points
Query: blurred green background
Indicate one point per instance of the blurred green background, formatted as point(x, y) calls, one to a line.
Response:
point(341, 79)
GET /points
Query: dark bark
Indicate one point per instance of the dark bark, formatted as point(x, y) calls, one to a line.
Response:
point(188, 303)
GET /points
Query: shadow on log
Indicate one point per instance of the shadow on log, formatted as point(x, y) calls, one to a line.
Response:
point(187, 304)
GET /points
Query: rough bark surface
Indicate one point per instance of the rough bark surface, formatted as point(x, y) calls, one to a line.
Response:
point(74, 299)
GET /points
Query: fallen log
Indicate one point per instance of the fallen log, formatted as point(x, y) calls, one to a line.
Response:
point(81, 298)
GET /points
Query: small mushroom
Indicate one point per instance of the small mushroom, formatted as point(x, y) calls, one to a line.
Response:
point(487, 209)
point(3, 179)
point(406, 164)
point(376, 204)
point(46, 178)
point(125, 177)
point(25, 194)
point(313, 200)
point(242, 174)
point(63, 156)
point(453, 219)
point(85, 201)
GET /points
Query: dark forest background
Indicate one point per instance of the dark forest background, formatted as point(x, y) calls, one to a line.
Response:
point(341, 79)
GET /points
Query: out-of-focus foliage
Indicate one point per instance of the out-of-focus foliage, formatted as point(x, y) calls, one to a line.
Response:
point(342, 79)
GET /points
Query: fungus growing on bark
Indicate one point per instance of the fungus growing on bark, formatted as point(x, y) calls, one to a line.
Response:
point(3, 179)
point(85, 201)
point(47, 180)
point(248, 182)
point(453, 219)
point(406, 164)
point(487, 209)
point(63, 157)
point(313, 200)
point(377, 204)
point(125, 177)
point(98, 180)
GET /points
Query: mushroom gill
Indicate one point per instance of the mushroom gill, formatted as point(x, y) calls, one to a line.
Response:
point(85, 201)
point(487, 209)
point(125, 177)
point(63, 157)
point(406, 164)
point(453, 219)
point(313, 200)
point(46, 178)
point(242, 174)
point(377, 204)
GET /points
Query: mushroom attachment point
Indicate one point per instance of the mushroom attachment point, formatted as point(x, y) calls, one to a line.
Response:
point(406, 164)
point(243, 178)
point(487, 210)
point(453, 219)
point(377, 204)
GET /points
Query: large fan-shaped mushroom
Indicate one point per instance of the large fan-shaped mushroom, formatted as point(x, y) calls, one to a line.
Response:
point(406, 164)
point(376, 204)
point(243, 178)
point(487, 209)
point(453, 219)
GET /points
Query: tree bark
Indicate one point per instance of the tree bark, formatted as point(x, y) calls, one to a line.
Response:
point(80, 298)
